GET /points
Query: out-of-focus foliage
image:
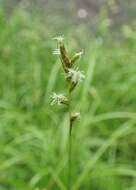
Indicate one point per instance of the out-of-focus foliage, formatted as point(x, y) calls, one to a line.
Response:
point(77, 11)
point(33, 135)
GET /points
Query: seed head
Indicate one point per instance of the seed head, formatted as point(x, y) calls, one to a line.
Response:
point(58, 99)
point(75, 75)
point(77, 56)
point(75, 115)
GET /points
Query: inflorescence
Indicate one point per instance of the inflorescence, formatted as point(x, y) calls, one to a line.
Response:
point(72, 74)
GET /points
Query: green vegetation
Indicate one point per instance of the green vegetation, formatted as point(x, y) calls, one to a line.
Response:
point(33, 134)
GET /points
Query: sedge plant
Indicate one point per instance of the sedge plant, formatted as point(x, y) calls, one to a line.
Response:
point(73, 76)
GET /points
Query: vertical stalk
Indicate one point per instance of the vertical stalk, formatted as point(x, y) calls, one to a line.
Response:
point(69, 161)
point(72, 76)
point(70, 145)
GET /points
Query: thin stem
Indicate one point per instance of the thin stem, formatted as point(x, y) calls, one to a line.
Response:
point(69, 161)
point(70, 145)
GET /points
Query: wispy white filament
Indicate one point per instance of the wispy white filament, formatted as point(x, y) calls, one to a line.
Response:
point(75, 75)
point(56, 52)
point(58, 99)
point(59, 39)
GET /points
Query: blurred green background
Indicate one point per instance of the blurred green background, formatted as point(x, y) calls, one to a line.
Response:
point(33, 134)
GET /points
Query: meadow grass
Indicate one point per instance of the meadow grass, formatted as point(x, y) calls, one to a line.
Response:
point(33, 134)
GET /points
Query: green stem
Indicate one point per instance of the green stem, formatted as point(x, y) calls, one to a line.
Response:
point(69, 160)
point(70, 146)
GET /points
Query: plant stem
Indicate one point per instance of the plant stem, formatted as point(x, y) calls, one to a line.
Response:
point(69, 160)
point(70, 145)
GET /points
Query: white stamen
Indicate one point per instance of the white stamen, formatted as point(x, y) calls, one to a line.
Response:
point(75, 75)
point(58, 99)
point(59, 39)
point(56, 52)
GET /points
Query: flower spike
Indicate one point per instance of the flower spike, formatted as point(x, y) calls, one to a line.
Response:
point(58, 99)
point(77, 57)
point(59, 39)
point(75, 76)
